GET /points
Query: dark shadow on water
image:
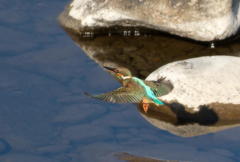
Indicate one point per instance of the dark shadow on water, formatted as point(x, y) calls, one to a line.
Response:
point(205, 115)
point(178, 115)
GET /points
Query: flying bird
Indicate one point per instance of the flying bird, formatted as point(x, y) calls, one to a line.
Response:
point(135, 90)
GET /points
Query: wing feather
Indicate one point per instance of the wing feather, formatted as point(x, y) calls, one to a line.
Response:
point(121, 95)
point(160, 87)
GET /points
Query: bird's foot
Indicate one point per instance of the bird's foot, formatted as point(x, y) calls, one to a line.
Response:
point(145, 105)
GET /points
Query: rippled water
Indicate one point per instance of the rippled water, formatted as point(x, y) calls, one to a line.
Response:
point(44, 115)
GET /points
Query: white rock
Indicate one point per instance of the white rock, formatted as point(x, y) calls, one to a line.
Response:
point(202, 81)
point(203, 20)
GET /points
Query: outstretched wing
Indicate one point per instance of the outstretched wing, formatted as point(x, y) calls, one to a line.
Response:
point(121, 95)
point(160, 87)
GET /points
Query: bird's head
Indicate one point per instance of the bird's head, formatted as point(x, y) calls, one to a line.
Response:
point(120, 72)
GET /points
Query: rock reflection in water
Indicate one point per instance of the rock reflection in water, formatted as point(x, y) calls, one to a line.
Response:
point(186, 123)
point(144, 54)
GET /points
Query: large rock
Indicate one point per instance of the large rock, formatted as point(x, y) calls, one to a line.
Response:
point(202, 81)
point(204, 20)
point(205, 97)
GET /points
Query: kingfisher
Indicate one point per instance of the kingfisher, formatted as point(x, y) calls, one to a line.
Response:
point(135, 90)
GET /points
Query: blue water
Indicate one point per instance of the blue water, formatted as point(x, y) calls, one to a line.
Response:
point(44, 116)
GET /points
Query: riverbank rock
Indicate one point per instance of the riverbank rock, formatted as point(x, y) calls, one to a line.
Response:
point(203, 20)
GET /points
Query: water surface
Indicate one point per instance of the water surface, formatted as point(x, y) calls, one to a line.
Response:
point(44, 115)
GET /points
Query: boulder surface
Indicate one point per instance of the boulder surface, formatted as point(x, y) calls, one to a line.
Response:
point(202, 81)
point(204, 20)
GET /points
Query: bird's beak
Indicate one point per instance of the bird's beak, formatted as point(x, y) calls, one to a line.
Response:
point(110, 69)
point(114, 72)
